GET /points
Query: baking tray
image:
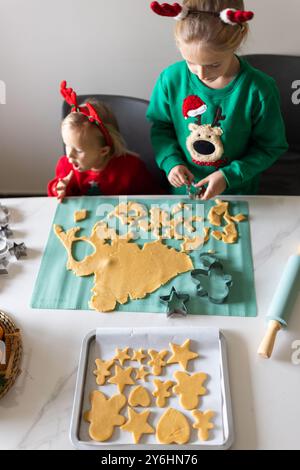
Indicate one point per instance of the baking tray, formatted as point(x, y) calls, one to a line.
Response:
point(119, 337)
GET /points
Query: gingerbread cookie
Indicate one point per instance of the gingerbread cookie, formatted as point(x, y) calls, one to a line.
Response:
point(104, 415)
point(122, 377)
point(162, 391)
point(141, 374)
point(181, 354)
point(138, 355)
point(189, 388)
point(122, 355)
point(157, 360)
point(102, 370)
point(139, 396)
point(137, 424)
point(173, 427)
point(203, 423)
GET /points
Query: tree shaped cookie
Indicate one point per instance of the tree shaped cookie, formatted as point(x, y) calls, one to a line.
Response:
point(157, 360)
point(173, 427)
point(181, 354)
point(122, 377)
point(203, 423)
point(141, 374)
point(138, 356)
point(122, 355)
point(104, 415)
point(102, 370)
point(137, 424)
point(162, 391)
point(139, 396)
point(189, 388)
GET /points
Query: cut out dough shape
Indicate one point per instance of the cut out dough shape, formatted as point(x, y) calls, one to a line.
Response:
point(203, 423)
point(141, 374)
point(122, 377)
point(137, 424)
point(80, 215)
point(138, 355)
point(189, 388)
point(157, 360)
point(182, 354)
point(230, 233)
point(119, 267)
point(102, 370)
point(139, 396)
point(104, 415)
point(173, 428)
point(162, 391)
point(122, 355)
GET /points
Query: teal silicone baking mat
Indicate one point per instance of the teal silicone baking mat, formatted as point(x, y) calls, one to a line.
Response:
point(58, 288)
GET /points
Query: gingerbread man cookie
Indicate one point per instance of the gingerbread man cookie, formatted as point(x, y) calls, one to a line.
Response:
point(162, 391)
point(157, 360)
point(181, 354)
point(189, 388)
point(122, 377)
point(102, 370)
point(203, 423)
point(104, 415)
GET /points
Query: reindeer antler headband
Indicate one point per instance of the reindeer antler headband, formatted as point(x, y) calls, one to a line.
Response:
point(229, 16)
point(87, 110)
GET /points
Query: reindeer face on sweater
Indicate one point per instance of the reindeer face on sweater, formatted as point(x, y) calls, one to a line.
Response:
point(204, 143)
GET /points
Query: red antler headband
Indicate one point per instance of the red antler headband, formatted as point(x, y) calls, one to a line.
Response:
point(88, 110)
point(179, 12)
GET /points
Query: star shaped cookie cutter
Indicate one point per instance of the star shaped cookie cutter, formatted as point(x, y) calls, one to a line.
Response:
point(210, 279)
point(176, 303)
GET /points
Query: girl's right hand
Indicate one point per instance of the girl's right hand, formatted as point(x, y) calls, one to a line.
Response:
point(180, 175)
point(61, 187)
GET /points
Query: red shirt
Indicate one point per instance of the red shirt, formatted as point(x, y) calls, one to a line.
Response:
point(124, 175)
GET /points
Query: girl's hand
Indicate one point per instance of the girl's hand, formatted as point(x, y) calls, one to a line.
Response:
point(180, 175)
point(216, 185)
point(61, 187)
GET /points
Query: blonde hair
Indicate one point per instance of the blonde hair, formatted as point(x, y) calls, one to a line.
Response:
point(210, 29)
point(80, 121)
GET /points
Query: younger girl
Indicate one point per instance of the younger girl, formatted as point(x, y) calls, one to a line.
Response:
point(216, 120)
point(96, 160)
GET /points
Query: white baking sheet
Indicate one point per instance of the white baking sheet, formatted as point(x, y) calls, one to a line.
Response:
point(204, 341)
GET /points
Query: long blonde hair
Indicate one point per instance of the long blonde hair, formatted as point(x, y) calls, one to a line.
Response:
point(79, 120)
point(210, 29)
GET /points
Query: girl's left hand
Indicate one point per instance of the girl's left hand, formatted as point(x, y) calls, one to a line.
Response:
point(216, 185)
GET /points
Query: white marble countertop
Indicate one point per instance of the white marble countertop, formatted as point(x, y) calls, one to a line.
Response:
point(265, 393)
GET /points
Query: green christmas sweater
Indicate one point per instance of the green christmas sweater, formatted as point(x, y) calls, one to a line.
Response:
point(238, 129)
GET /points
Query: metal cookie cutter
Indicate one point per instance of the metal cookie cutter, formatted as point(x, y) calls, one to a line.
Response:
point(210, 279)
point(4, 214)
point(176, 303)
point(193, 192)
point(5, 246)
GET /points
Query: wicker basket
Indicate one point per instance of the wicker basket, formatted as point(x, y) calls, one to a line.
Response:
point(12, 338)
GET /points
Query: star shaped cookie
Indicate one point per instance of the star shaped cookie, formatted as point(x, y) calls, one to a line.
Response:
point(137, 424)
point(181, 354)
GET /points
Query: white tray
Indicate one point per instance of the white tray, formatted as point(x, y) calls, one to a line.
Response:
point(102, 343)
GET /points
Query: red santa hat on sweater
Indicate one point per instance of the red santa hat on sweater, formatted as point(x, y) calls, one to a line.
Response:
point(230, 16)
point(193, 106)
